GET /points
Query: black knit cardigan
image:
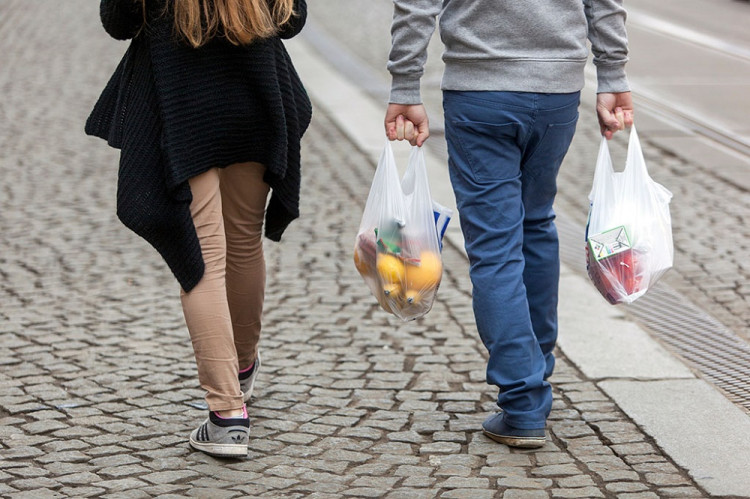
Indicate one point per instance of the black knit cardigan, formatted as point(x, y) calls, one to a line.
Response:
point(175, 112)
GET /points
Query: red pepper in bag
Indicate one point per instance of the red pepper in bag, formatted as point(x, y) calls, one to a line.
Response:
point(616, 275)
point(629, 233)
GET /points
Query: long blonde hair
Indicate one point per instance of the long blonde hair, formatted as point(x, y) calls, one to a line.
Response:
point(239, 21)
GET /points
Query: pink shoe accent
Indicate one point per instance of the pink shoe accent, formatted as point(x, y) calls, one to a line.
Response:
point(248, 368)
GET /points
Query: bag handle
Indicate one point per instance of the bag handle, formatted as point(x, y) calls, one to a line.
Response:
point(602, 184)
point(635, 163)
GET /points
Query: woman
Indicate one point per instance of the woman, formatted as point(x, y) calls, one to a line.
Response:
point(208, 113)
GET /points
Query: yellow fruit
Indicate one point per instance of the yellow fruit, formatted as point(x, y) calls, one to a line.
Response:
point(412, 296)
point(427, 274)
point(363, 267)
point(390, 269)
point(392, 290)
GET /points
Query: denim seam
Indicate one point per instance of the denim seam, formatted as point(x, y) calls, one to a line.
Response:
point(546, 130)
point(461, 94)
point(465, 149)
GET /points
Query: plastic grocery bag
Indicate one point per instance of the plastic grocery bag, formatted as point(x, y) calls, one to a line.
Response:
point(397, 249)
point(629, 232)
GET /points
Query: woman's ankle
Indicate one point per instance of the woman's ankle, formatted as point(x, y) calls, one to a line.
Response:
point(232, 413)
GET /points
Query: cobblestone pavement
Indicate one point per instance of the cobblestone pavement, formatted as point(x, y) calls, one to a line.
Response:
point(710, 215)
point(98, 389)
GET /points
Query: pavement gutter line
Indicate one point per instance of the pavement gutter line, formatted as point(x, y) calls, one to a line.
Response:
point(657, 25)
point(347, 104)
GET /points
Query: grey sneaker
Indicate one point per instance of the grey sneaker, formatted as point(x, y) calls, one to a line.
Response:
point(247, 380)
point(221, 437)
point(498, 430)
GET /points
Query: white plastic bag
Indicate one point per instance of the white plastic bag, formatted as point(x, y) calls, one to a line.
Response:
point(629, 232)
point(397, 249)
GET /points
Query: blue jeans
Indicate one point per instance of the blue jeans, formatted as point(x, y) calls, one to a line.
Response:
point(505, 150)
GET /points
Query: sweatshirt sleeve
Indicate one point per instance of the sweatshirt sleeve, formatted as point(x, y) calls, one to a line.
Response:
point(609, 43)
point(413, 24)
point(297, 22)
point(122, 19)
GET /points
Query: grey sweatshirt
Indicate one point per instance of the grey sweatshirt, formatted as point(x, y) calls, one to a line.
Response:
point(511, 45)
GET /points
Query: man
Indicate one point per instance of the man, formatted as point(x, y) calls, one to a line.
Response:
point(511, 89)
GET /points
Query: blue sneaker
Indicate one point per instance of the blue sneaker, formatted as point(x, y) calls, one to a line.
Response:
point(498, 430)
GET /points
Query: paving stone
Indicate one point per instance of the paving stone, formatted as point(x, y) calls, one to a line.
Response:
point(345, 455)
point(324, 487)
point(80, 492)
point(502, 471)
point(507, 459)
point(427, 427)
point(296, 438)
point(657, 467)
point(364, 492)
point(453, 470)
point(465, 483)
point(524, 494)
point(521, 482)
point(382, 483)
point(626, 486)
point(398, 459)
point(578, 492)
point(616, 475)
point(66, 456)
point(362, 432)
point(406, 436)
point(449, 436)
point(33, 494)
point(630, 449)
point(666, 479)
point(572, 430)
point(112, 461)
point(124, 484)
point(344, 443)
point(556, 470)
point(78, 478)
point(272, 482)
point(545, 458)
point(412, 493)
point(164, 477)
point(123, 471)
point(28, 472)
point(440, 448)
point(575, 481)
point(211, 492)
point(34, 483)
point(466, 493)
point(409, 471)
point(375, 469)
point(691, 492)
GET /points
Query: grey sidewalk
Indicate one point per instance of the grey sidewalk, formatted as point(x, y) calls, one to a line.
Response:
point(98, 390)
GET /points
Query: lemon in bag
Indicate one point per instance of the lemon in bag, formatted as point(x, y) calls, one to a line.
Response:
point(423, 277)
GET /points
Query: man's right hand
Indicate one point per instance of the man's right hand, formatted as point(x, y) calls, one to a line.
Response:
point(615, 112)
point(407, 122)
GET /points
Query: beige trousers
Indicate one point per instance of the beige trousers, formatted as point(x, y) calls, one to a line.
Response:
point(223, 311)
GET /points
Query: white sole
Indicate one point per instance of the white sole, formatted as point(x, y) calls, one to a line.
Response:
point(249, 394)
point(520, 442)
point(220, 450)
